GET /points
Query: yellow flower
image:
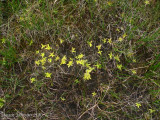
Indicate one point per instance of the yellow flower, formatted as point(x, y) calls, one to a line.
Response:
point(43, 61)
point(87, 65)
point(99, 52)
point(61, 41)
point(151, 111)
point(117, 58)
point(80, 56)
point(110, 55)
point(134, 71)
point(146, 2)
point(109, 3)
point(134, 60)
point(70, 63)
point(37, 62)
point(87, 76)
point(31, 42)
point(119, 67)
point(51, 54)
point(48, 75)
point(117, 30)
point(21, 18)
point(42, 55)
point(32, 80)
point(62, 98)
point(48, 47)
point(94, 94)
point(110, 40)
point(99, 66)
point(63, 61)
point(43, 46)
point(81, 62)
point(124, 35)
point(138, 105)
point(73, 50)
point(37, 51)
point(120, 39)
point(3, 40)
point(57, 58)
point(43, 67)
point(104, 40)
point(99, 47)
point(90, 43)
point(50, 60)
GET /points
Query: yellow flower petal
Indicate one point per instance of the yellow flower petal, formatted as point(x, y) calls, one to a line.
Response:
point(48, 75)
point(32, 80)
point(63, 60)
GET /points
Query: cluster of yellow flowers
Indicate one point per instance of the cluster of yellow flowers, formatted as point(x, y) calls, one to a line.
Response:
point(44, 59)
point(48, 56)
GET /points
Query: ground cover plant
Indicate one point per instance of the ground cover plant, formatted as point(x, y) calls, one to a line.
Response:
point(80, 59)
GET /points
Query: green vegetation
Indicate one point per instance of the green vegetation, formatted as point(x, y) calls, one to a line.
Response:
point(80, 59)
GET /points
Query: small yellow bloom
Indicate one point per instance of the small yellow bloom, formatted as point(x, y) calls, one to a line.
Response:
point(61, 41)
point(31, 42)
point(51, 54)
point(50, 60)
point(99, 66)
point(109, 3)
point(70, 63)
point(32, 80)
point(94, 94)
point(118, 30)
point(120, 39)
point(110, 40)
point(147, 2)
point(124, 35)
point(43, 46)
point(63, 61)
point(42, 55)
point(48, 47)
point(99, 47)
point(81, 62)
point(134, 60)
point(57, 58)
point(134, 71)
point(151, 111)
point(87, 76)
point(80, 56)
point(37, 62)
point(62, 98)
point(37, 51)
point(48, 75)
point(110, 55)
point(90, 43)
point(138, 105)
point(43, 60)
point(87, 65)
point(73, 50)
point(119, 67)
point(117, 58)
point(104, 40)
point(3, 40)
point(99, 52)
